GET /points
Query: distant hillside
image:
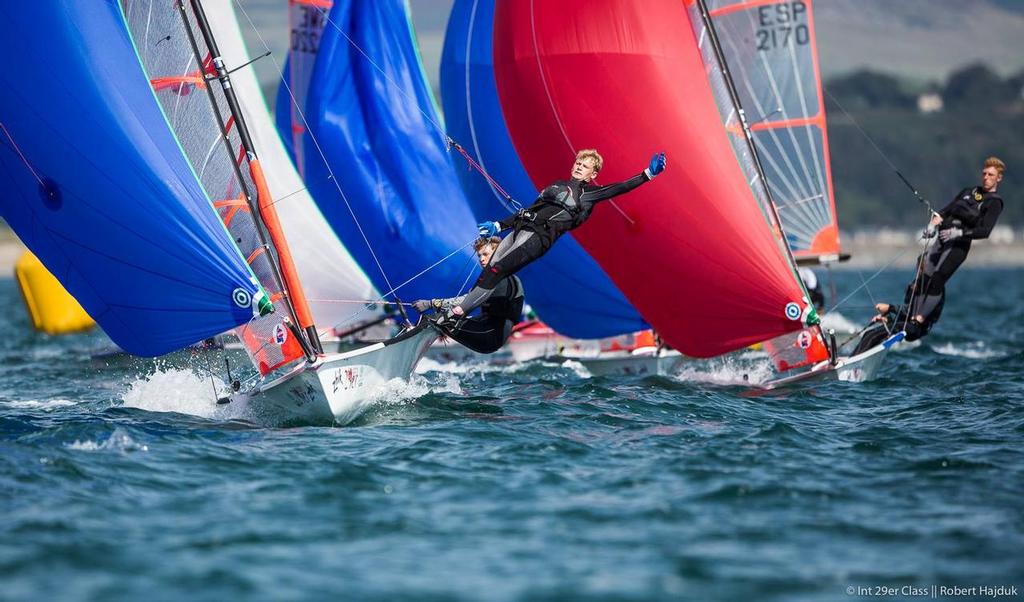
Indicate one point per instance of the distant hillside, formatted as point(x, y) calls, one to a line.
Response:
point(924, 39)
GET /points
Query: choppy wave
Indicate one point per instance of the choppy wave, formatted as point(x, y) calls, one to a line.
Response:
point(527, 482)
point(976, 350)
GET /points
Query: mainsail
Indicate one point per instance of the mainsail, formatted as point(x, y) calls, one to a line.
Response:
point(96, 185)
point(330, 276)
point(699, 252)
point(771, 50)
point(569, 291)
point(370, 149)
point(183, 70)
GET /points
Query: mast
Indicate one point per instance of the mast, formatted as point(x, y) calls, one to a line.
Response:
point(748, 136)
point(268, 219)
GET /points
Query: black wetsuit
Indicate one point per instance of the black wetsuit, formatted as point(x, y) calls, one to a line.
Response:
point(902, 317)
point(501, 311)
point(976, 213)
point(561, 207)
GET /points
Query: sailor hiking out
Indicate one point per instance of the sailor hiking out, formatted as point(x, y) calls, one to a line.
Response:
point(487, 332)
point(970, 216)
point(561, 207)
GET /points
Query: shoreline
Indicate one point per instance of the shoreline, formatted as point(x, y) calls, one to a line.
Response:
point(863, 255)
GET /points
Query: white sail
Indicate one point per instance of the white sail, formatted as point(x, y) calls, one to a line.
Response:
point(770, 47)
point(329, 274)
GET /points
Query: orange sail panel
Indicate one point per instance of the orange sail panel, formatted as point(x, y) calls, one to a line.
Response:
point(696, 250)
point(797, 350)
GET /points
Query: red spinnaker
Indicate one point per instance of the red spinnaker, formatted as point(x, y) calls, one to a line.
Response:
point(693, 250)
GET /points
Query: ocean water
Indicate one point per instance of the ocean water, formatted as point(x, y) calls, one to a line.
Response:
point(119, 481)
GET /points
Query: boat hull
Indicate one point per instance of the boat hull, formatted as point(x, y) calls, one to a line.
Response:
point(337, 388)
point(630, 364)
point(858, 368)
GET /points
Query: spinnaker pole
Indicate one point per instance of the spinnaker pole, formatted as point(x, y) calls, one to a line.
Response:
point(268, 215)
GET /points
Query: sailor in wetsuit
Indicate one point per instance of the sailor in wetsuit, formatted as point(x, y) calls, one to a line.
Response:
point(501, 311)
point(908, 317)
point(562, 206)
point(970, 216)
point(810, 280)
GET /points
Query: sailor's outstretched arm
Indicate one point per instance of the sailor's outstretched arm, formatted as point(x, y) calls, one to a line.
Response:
point(601, 193)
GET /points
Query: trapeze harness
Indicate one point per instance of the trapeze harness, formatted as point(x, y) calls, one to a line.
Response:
point(501, 311)
point(973, 211)
point(561, 207)
point(902, 317)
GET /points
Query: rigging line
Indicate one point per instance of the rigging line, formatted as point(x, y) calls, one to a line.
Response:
point(414, 277)
point(412, 102)
point(22, 155)
point(468, 276)
point(884, 156)
point(867, 288)
point(360, 301)
point(316, 143)
point(209, 368)
point(469, 104)
point(873, 276)
point(917, 282)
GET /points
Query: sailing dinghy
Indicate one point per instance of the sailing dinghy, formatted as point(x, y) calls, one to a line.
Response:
point(710, 262)
point(131, 173)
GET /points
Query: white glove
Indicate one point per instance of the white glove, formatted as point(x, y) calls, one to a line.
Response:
point(950, 234)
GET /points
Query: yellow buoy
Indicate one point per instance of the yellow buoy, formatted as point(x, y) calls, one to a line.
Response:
point(52, 309)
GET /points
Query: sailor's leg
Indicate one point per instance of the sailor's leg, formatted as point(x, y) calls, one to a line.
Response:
point(871, 337)
point(931, 288)
point(515, 252)
point(480, 335)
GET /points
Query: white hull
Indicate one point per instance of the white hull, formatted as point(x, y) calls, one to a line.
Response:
point(337, 387)
point(636, 363)
point(856, 368)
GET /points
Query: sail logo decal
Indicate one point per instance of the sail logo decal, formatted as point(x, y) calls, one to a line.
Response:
point(804, 339)
point(241, 297)
point(792, 311)
point(280, 334)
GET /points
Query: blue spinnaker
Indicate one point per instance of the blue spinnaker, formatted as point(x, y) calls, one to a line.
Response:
point(95, 184)
point(567, 288)
point(372, 116)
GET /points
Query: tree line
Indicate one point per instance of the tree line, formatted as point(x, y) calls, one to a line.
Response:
point(939, 151)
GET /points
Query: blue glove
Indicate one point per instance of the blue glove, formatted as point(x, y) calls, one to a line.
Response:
point(488, 229)
point(950, 234)
point(656, 166)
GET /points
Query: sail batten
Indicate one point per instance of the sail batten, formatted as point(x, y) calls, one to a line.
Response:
point(771, 47)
